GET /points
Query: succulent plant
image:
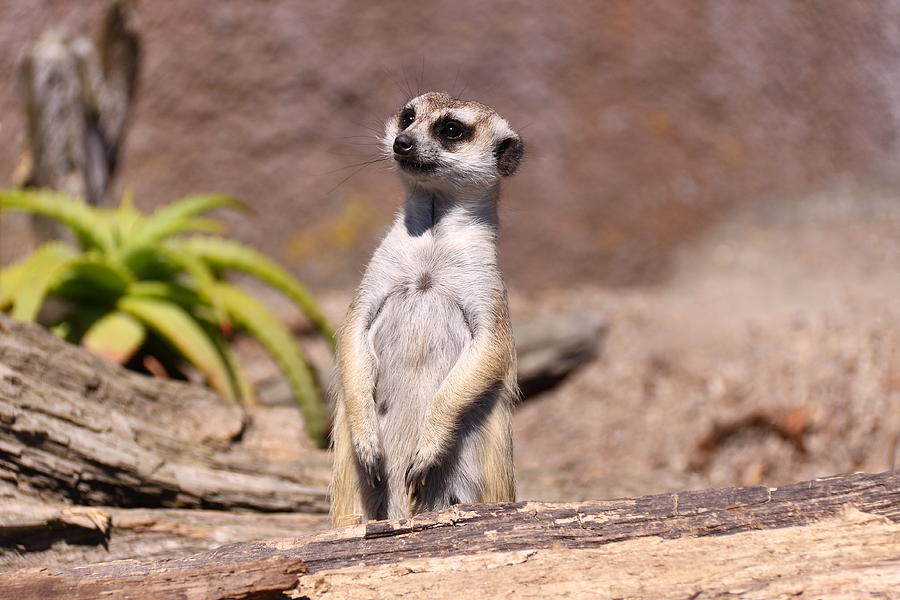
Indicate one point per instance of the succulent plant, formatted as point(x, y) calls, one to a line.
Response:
point(130, 276)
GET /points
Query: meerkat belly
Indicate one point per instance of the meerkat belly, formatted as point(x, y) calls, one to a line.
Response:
point(416, 339)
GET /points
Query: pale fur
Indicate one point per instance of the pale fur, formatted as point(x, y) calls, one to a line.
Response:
point(426, 361)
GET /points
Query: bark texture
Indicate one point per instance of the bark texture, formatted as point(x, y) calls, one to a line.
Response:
point(832, 537)
point(35, 534)
point(76, 429)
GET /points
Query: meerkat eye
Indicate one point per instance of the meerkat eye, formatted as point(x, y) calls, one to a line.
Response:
point(452, 130)
point(406, 118)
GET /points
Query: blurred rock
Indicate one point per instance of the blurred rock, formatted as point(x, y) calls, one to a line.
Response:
point(550, 347)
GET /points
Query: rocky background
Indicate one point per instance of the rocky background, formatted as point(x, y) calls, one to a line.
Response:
point(717, 179)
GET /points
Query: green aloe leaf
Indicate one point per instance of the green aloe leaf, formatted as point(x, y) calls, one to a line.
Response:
point(178, 216)
point(240, 380)
point(10, 278)
point(164, 262)
point(226, 254)
point(166, 290)
point(202, 278)
point(92, 279)
point(115, 337)
point(148, 263)
point(126, 218)
point(256, 318)
point(201, 225)
point(91, 230)
point(38, 275)
point(75, 323)
point(176, 326)
point(186, 297)
point(63, 330)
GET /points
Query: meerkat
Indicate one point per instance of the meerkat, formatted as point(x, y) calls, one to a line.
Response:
point(426, 362)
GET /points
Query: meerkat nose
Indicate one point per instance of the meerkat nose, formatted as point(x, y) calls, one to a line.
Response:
point(404, 144)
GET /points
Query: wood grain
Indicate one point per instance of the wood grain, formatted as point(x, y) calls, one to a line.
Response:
point(76, 429)
point(820, 535)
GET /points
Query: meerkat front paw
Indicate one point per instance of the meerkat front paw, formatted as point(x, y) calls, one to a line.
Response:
point(418, 471)
point(416, 478)
point(371, 460)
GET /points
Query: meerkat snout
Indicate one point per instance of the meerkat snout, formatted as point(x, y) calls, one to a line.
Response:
point(403, 145)
point(436, 140)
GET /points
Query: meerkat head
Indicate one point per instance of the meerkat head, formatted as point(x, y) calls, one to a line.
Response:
point(436, 140)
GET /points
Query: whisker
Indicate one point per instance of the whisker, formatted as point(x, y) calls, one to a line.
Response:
point(421, 76)
point(351, 137)
point(376, 131)
point(357, 170)
point(396, 82)
point(369, 143)
point(361, 165)
point(408, 86)
point(350, 153)
point(455, 81)
point(463, 90)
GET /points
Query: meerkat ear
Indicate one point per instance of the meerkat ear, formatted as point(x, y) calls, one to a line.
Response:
point(508, 153)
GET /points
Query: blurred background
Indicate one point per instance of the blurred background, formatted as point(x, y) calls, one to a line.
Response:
point(718, 181)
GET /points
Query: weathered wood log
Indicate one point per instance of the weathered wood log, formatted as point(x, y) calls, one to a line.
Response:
point(30, 526)
point(59, 535)
point(254, 579)
point(76, 429)
point(838, 536)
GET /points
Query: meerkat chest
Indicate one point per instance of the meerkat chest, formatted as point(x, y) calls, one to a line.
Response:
point(427, 314)
point(451, 266)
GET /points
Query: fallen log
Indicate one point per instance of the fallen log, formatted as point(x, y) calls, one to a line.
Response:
point(837, 536)
point(75, 429)
point(61, 535)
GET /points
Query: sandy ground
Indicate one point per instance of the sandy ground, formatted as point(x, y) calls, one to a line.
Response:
point(771, 356)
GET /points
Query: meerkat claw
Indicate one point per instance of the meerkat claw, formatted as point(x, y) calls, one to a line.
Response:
point(373, 471)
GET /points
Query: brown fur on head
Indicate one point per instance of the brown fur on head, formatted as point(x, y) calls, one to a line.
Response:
point(437, 139)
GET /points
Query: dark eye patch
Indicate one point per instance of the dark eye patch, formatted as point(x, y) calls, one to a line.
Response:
point(450, 131)
point(407, 116)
